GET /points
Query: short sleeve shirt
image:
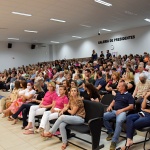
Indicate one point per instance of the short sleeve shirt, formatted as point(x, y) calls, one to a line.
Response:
point(123, 100)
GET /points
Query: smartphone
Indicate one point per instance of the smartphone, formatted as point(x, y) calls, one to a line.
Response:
point(141, 114)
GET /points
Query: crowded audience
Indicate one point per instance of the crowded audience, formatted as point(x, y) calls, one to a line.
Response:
point(53, 88)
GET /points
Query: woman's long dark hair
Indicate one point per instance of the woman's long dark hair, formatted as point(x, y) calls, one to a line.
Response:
point(92, 90)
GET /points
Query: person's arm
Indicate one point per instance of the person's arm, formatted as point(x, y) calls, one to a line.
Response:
point(111, 105)
point(135, 91)
point(143, 107)
point(99, 87)
point(73, 110)
point(130, 107)
point(108, 88)
point(95, 100)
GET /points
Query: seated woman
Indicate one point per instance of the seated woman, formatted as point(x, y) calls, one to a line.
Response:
point(90, 92)
point(39, 109)
point(129, 79)
point(25, 95)
point(26, 106)
point(13, 96)
point(137, 121)
point(77, 114)
point(58, 104)
point(112, 84)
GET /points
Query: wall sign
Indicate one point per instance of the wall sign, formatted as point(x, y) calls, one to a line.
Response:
point(117, 39)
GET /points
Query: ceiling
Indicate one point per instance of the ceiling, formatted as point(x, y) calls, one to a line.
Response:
point(124, 14)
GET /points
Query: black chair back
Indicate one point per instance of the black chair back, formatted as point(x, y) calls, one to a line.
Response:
point(107, 99)
point(93, 110)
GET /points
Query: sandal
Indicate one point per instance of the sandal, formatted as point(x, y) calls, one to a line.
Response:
point(10, 118)
point(39, 130)
point(47, 134)
point(28, 132)
point(64, 146)
point(126, 147)
point(15, 121)
point(27, 128)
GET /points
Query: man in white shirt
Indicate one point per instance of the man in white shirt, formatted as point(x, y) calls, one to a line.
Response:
point(59, 81)
point(141, 70)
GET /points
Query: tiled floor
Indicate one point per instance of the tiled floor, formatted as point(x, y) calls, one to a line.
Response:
point(12, 138)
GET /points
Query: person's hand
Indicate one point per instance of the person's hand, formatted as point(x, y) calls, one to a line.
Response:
point(33, 100)
point(109, 108)
point(92, 99)
point(119, 111)
point(41, 106)
point(114, 93)
point(60, 113)
point(52, 110)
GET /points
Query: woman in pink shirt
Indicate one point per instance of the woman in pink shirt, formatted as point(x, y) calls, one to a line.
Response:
point(40, 109)
point(58, 104)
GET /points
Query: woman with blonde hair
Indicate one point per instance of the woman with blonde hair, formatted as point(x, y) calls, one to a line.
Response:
point(129, 79)
point(77, 114)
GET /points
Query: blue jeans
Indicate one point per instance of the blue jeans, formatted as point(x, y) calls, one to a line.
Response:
point(119, 120)
point(61, 123)
point(134, 121)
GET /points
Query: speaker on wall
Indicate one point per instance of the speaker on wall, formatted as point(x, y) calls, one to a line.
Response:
point(33, 46)
point(9, 45)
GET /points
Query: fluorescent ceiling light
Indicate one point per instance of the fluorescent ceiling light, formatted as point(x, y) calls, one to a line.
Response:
point(106, 30)
point(54, 42)
point(13, 38)
point(78, 37)
point(23, 14)
point(85, 26)
point(148, 20)
point(30, 31)
point(58, 20)
point(103, 2)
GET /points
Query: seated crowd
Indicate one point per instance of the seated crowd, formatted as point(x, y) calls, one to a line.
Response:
point(56, 90)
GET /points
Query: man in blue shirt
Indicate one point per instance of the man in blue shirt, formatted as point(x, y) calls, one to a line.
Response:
point(122, 103)
point(100, 83)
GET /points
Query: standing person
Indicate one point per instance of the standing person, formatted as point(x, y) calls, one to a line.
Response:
point(122, 103)
point(137, 121)
point(108, 55)
point(58, 104)
point(94, 55)
point(102, 55)
point(77, 114)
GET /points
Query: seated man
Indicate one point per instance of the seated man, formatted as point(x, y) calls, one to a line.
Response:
point(100, 83)
point(122, 103)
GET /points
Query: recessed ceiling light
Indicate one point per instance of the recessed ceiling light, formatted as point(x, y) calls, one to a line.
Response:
point(78, 37)
point(105, 29)
point(30, 31)
point(54, 42)
point(85, 26)
point(103, 2)
point(13, 38)
point(23, 14)
point(58, 20)
point(148, 20)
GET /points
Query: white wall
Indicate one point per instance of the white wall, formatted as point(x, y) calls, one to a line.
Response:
point(83, 48)
point(22, 54)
